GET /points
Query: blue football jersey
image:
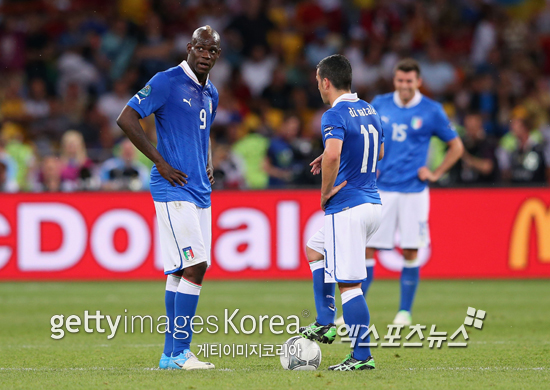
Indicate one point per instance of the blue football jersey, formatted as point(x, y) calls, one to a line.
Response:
point(409, 130)
point(357, 124)
point(184, 111)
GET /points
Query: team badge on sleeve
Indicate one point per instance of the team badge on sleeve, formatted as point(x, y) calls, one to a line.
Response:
point(188, 253)
point(143, 93)
point(416, 122)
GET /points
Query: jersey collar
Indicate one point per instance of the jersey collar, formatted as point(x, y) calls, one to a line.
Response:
point(415, 101)
point(346, 97)
point(189, 72)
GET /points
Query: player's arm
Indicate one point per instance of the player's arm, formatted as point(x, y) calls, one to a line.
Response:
point(330, 166)
point(210, 165)
point(454, 152)
point(128, 121)
point(381, 153)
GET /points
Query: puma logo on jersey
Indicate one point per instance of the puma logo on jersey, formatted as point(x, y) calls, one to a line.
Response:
point(187, 101)
point(329, 133)
point(138, 98)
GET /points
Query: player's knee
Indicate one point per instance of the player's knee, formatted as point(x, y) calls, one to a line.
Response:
point(313, 255)
point(369, 253)
point(410, 254)
point(196, 272)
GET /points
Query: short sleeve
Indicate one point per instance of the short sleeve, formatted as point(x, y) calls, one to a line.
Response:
point(375, 102)
point(442, 127)
point(151, 97)
point(332, 126)
point(215, 101)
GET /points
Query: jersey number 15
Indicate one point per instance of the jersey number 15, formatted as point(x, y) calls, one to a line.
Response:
point(372, 130)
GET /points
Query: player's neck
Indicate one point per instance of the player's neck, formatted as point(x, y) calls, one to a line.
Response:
point(335, 94)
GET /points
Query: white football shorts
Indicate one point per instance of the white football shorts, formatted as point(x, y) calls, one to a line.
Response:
point(407, 212)
point(185, 233)
point(343, 239)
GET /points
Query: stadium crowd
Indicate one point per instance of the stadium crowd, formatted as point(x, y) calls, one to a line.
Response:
point(68, 67)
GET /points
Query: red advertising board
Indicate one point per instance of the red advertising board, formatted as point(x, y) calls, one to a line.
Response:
point(476, 233)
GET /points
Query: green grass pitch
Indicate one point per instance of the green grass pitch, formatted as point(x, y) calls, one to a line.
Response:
point(511, 351)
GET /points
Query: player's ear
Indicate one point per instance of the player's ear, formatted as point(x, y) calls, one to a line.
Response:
point(419, 81)
point(189, 47)
point(326, 83)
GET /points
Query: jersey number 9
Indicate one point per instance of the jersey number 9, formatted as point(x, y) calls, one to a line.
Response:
point(202, 115)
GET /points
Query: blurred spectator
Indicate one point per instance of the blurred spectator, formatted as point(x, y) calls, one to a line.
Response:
point(12, 105)
point(252, 150)
point(111, 105)
point(118, 48)
point(438, 75)
point(8, 169)
point(49, 176)
point(258, 70)
point(124, 172)
point(20, 152)
point(77, 170)
point(252, 26)
point(37, 105)
point(521, 154)
point(478, 164)
point(228, 169)
point(280, 162)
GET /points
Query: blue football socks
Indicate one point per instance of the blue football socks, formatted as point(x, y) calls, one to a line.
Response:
point(187, 299)
point(323, 294)
point(409, 282)
point(369, 263)
point(172, 283)
point(357, 317)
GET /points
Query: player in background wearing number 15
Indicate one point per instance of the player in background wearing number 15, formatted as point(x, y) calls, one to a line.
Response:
point(184, 102)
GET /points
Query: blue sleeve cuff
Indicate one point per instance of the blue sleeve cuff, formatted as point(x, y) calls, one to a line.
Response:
point(137, 108)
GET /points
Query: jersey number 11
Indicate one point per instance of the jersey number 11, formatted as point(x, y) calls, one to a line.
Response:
point(374, 132)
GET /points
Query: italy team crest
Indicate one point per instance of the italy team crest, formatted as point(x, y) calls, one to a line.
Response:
point(188, 253)
point(416, 122)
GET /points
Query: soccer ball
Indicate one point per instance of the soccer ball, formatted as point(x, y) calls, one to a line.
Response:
point(299, 353)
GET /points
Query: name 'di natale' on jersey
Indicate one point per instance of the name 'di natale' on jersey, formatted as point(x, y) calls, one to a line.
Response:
point(361, 111)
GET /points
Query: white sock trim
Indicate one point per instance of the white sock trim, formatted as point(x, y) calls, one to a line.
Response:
point(172, 283)
point(370, 262)
point(315, 265)
point(412, 263)
point(187, 287)
point(350, 294)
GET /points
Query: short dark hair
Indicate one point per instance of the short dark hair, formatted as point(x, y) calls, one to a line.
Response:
point(337, 69)
point(408, 65)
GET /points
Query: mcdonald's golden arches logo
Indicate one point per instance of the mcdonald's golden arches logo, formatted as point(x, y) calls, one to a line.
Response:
point(532, 210)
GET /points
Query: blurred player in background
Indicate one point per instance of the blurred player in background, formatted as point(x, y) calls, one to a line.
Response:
point(409, 120)
point(354, 142)
point(184, 102)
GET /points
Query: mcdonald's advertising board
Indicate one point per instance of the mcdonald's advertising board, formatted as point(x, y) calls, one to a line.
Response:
point(475, 233)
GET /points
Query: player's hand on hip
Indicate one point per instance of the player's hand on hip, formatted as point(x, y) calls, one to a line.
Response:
point(334, 191)
point(174, 176)
point(425, 174)
point(316, 165)
point(210, 173)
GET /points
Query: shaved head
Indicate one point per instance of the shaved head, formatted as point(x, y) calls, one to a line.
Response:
point(204, 32)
